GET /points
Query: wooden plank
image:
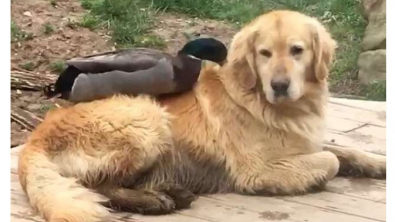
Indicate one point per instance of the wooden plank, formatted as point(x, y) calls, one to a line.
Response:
point(176, 217)
point(25, 118)
point(342, 204)
point(358, 115)
point(25, 214)
point(16, 188)
point(21, 213)
point(342, 125)
point(375, 106)
point(15, 185)
point(219, 211)
point(267, 206)
point(17, 149)
point(20, 203)
point(27, 80)
point(370, 131)
point(370, 144)
point(374, 190)
point(20, 200)
point(14, 163)
point(14, 177)
point(232, 207)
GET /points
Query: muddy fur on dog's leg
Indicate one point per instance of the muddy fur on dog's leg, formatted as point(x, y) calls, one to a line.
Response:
point(143, 201)
point(181, 196)
point(358, 163)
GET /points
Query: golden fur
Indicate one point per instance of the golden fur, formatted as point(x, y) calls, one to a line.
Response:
point(230, 134)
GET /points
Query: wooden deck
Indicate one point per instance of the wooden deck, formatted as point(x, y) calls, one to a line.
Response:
point(356, 123)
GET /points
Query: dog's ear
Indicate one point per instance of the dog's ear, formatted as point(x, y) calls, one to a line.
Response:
point(324, 49)
point(242, 57)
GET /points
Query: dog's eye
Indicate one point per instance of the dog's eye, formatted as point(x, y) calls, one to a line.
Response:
point(296, 50)
point(265, 53)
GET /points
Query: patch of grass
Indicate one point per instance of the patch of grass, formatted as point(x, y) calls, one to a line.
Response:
point(130, 21)
point(90, 21)
point(54, 3)
point(240, 11)
point(342, 17)
point(18, 35)
point(57, 66)
point(46, 107)
point(27, 66)
point(72, 24)
point(146, 41)
point(48, 28)
point(375, 91)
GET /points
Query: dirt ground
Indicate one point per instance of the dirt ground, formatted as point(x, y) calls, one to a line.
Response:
point(66, 40)
point(175, 28)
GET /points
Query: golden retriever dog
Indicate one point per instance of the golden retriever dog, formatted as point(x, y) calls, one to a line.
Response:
point(252, 126)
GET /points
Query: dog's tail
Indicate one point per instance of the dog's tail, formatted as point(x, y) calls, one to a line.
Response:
point(57, 198)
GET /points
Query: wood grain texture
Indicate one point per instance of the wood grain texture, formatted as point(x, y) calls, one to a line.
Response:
point(25, 118)
point(26, 80)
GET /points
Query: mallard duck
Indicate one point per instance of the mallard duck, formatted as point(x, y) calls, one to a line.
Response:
point(135, 71)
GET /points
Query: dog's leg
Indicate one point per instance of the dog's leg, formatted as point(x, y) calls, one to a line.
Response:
point(155, 200)
point(287, 176)
point(143, 201)
point(358, 163)
point(181, 196)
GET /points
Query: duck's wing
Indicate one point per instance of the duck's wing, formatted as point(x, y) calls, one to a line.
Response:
point(165, 78)
point(128, 60)
point(154, 81)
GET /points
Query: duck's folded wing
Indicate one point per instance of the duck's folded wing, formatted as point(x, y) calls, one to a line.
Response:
point(128, 60)
point(153, 81)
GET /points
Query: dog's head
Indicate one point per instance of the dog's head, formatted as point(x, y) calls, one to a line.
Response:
point(281, 54)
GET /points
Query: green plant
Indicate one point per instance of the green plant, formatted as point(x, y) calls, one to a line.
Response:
point(375, 91)
point(72, 24)
point(146, 41)
point(57, 66)
point(90, 21)
point(27, 65)
point(129, 20)
point(53, 3)
point(48, 28)
point(46, 107)
point(18, 35)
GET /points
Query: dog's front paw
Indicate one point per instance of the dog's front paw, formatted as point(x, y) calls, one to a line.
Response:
point(364, 165)
point(298, 186)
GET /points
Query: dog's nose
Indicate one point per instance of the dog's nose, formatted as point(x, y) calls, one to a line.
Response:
point(280, 86)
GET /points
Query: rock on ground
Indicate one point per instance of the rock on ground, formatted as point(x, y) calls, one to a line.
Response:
point(372, 60)
point(375, 33)
point(372, 66)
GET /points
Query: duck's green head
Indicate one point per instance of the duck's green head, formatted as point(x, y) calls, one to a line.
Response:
point(206, 49)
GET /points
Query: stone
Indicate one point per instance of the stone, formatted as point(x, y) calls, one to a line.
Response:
point(372, 66)
point(27, 13)
point(375, 33)
point(369, 6)
point(34, 106)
